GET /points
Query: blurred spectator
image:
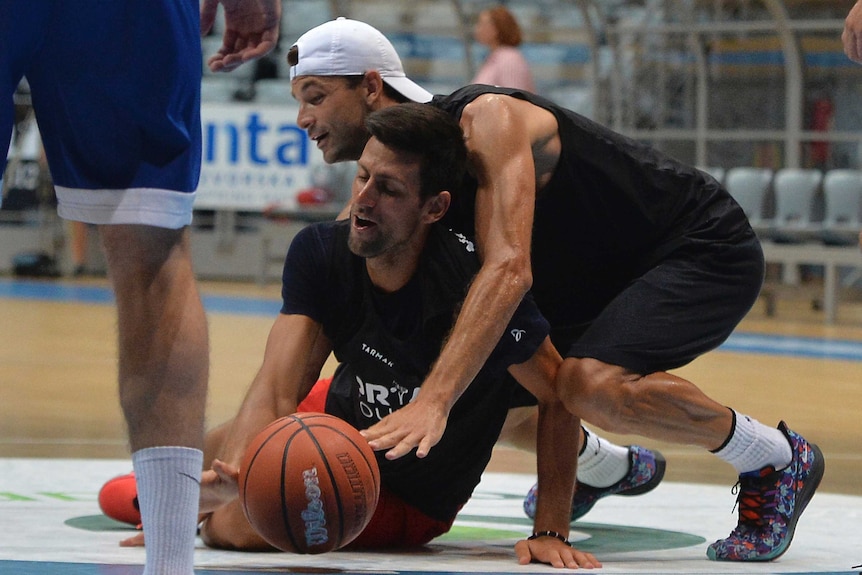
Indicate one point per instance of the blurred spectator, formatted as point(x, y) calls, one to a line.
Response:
point(79, 246)
point(505, 65)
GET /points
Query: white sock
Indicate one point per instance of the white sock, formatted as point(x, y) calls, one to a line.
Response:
point(752, 446)
point(602, 463)
point(169, 482)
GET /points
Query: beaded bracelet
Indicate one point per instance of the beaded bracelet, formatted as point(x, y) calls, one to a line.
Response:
point(553, 534)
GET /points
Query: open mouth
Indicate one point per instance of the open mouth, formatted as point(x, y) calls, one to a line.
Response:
point(362, 224)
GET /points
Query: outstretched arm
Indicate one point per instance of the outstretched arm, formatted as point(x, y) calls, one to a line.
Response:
point(501, 134)
point(556, 464)
point(251, 30)
point(295, 352)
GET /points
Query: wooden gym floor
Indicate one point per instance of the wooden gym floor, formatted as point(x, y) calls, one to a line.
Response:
point(58, 394)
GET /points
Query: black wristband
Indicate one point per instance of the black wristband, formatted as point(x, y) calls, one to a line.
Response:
point(553, 534)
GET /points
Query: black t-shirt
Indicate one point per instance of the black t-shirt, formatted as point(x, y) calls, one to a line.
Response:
point(612, 209)
point(386, 344)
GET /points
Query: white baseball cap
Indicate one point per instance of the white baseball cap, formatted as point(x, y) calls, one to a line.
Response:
point(344, 47)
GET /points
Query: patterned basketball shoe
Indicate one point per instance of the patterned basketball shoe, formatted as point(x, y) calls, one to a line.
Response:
point(770, 503)
point(646, 470)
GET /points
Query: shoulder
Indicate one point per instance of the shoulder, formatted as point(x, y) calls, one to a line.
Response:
point(316, 246)
point(320, 234)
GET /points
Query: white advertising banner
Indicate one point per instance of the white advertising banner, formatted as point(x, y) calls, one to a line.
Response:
point(255, 156)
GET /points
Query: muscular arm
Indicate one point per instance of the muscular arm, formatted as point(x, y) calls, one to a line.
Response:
point(557, 467)
point(296, 350)
point(503, 136)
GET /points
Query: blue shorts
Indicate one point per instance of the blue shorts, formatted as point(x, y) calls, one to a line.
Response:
point(116, 90)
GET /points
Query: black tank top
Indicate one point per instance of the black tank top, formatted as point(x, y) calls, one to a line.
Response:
point(612, 209)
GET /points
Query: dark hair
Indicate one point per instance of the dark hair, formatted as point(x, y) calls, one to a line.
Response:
point(431, 134)
point(352, 80)
point(508, 30)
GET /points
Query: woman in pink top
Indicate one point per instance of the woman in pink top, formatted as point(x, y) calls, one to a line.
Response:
point(505, 66)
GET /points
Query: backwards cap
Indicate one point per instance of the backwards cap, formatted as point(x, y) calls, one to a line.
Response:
point(344, 47)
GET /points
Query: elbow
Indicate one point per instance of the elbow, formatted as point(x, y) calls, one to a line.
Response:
point(524, 278)
point(515, 274)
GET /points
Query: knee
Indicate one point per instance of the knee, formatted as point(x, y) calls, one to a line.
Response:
point(578, 384)
point(599, 393)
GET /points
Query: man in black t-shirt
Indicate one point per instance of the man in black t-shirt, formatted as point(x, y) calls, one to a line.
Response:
point(380, 291)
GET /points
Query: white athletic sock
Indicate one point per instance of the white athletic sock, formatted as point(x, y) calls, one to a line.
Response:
point(602, 463)
point(169, 482)
point(752, 446)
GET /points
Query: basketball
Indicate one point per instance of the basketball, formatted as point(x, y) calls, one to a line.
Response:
point(309, 483)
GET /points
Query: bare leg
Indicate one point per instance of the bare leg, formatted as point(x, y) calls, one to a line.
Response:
point(659, 406)
point(78, 245)
point(163, 370)
point(163, 347)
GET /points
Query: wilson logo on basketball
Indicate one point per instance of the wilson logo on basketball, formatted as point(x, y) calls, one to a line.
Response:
point(313, 515)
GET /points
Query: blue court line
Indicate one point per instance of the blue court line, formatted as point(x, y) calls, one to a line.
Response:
point(820, 348)
point(794, 346)
point(60, 292)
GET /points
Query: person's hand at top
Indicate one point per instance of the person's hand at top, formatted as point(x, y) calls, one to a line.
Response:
point(251, 30)
point(852, 35)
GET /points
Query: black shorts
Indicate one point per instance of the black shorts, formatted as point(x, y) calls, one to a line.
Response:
point(681, 308)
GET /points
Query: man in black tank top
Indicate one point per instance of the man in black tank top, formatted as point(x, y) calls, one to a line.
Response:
point(332, 111)
point(639, 263)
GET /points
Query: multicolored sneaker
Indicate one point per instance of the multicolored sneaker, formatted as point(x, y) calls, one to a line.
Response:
point(646, 470)
point(770, 503)
point(118, 499)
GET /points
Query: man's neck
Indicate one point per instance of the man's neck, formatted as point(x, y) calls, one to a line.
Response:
point(391, 276)
point(391, 271)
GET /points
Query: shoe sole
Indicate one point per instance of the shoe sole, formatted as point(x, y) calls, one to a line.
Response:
point(803, 498)
point(660, 465)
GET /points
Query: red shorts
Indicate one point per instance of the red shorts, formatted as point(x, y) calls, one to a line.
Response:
point(395, 523)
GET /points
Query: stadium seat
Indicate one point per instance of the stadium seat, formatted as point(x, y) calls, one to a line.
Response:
point(796, 192)
point(842, 221)
point(750, 187)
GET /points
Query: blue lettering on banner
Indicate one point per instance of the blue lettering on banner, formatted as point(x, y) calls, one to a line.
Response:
point(257, 142)
point(253, 157)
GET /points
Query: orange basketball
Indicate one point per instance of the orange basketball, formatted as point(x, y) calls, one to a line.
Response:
point(309, 483)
